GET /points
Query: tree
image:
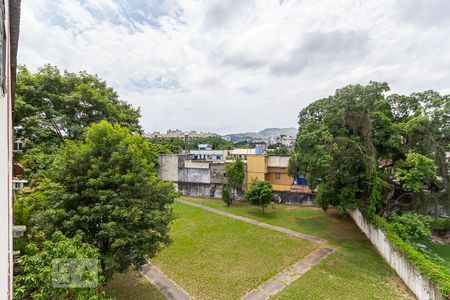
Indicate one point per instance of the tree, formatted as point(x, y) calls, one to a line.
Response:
point(35, 270)
point(358, 142)
point(259, 193)
point(105, 189)
point(51, 106)
point(235, 174)
point(226, 196)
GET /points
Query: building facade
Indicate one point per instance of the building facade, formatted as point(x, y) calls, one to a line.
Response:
point(205, 177)
point(9, 31)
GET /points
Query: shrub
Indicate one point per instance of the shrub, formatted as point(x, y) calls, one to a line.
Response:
point(259, 193)
point(412, 228)
point(226, 196)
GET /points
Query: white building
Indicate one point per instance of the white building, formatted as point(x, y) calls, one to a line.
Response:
point(9, 30)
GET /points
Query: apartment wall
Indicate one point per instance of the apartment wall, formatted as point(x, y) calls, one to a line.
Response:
point(218, 173)
point(279, 184)
point(256, 168)
point(168, 167)
point(194, 175)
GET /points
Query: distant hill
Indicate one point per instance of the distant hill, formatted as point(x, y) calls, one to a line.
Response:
point(265, 133)
point(269, 132)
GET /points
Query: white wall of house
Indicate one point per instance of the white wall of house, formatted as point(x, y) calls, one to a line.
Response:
point(6, 259)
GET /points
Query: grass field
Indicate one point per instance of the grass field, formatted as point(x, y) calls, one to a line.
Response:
point(215, 257)
point(355, 271)
point(132, 285)
point(442, 250)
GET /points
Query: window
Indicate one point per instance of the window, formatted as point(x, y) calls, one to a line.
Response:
point(277, 175)
point(17, 146)
point(17, 185)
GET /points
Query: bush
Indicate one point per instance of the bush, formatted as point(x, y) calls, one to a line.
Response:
point(412, 228)
point(259, 193)
point(226, 196)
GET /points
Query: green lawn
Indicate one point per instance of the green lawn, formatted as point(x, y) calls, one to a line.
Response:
point(442, 250)
point(132, 285)
point(215, 257)
point(354, 271)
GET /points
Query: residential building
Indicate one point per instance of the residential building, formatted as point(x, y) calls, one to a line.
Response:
point(256, 168)
point(185, 135)
point(193, 177)
point(277, 173)
point(9, 31)
point(241, 153)
point(286, 140)
point(274, 170)
point(205, 177)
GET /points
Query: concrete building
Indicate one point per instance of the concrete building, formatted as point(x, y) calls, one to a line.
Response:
point(286, 140)
point(206, 177)
point(242, 153)
point(208, 154)
point(277, 173)
point(193, 177)
point(9, 30)
point(185, 135)
point(274, 170)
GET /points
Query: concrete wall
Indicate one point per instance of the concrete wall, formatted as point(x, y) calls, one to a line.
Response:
point(305, 199)
point(200, 189)
point(218, 173)
point(194, 175)
point(419, 285)
point(168, 167)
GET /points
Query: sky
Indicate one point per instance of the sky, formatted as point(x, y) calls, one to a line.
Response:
point(239, 65)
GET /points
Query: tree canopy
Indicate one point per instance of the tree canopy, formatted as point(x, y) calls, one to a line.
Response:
point(105, 189)
point(34, 278)
point(374, 151)
point(259, 193)
point(51, 105)
point(235, 174)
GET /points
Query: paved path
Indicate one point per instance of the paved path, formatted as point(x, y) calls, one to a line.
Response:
point(166, 286)
point(287, 276)
point(254, 222)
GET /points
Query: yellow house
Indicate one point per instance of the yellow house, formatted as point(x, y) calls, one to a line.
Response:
point(277, 173)
point(270, 168)
point(256, 168)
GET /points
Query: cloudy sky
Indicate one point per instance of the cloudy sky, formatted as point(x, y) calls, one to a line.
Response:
point(237, 65)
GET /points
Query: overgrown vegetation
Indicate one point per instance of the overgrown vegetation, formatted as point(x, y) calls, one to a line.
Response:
point(437, 273)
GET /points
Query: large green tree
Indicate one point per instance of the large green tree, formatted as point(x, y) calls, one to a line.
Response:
point(105, 189)
point(235, 174)
point(362, 147)
point(34, 272)
point(51, 105)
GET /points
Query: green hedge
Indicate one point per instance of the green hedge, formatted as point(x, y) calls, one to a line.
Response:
point(428, 268)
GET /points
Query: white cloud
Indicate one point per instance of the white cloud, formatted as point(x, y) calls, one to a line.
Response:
point(237, 65)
